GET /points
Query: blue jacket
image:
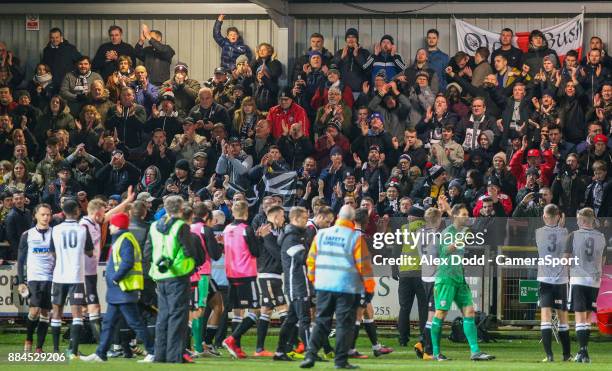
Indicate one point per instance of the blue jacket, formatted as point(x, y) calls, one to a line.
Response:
point(146, 97)
point(114, 295)
point(230, 51)
point(438, 60)
point(391, 64)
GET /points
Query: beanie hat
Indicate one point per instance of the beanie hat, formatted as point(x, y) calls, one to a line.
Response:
point(335, 151)
point(120, 220)
point(387, 37)
point(351, 32)
point(533, 153)
point(376, 115)
point(500, 155)
point(456, 183)
point(435, 171)
point(182, 164)
point(489, 134)
point(422, 74)
point(600, 138)
point(286, 92)
point(242, 58)
point(181, 67)
point(313, 53)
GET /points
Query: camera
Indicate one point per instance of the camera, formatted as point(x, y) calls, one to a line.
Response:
point(163, 264)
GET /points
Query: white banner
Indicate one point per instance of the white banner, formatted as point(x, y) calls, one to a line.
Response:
point(562, 37)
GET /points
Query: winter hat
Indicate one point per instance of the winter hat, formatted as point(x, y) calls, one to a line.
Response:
point(549, 92)
point(493, 181)
point(220, 71)
point(313, 53)
point(333, 69)
point(242, 58)
point(489, 134)
point(351, 32)
point(335, 151)
point(457, 86)
point(22, 93)
point(456, 183)
point(435, 171)
point(374, 147)
point(120, 220)
point(533, 153)
point(551, 58)
point(422, 74)
point(500, 155)
point(376, 115)
point(382, 73)
point(115, 198)
point(181, 67)
point(168, 95)
point(600, 138)
point(182, 164)
point(286, 93)
point(417, 210)
point(405, 156)
point(335, 124)
point(387, 37)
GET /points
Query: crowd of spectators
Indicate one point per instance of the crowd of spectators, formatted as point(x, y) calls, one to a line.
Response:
point(504, 133)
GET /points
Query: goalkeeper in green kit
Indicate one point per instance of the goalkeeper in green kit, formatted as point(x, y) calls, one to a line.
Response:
point(450, 285)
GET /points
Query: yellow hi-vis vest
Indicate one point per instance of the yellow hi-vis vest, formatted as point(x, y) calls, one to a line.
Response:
point(133, 280)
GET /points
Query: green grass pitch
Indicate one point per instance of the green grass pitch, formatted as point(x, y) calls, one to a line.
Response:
point(512, 354)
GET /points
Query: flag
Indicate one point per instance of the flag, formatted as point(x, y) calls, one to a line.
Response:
point(562, 37)
point(279, 181)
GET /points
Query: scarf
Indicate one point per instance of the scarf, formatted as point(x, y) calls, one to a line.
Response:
point(82, 84)
point(43, 80)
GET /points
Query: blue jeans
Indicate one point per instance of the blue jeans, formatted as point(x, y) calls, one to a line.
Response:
point(132, 318)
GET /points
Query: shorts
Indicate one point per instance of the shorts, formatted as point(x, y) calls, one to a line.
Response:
point(244, 294)
point(40, 294)
point(199, 293)
point(213, 288)
point(365, 299)
point(91, 289)
point(74, 291)
point(583, 298)
point(447, 293)
point(428, 287)
point(272, 294)
point(553, 296)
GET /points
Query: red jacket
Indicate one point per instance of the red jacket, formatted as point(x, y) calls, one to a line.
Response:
point(295, 113)
point(502, 197)
point(519, 169)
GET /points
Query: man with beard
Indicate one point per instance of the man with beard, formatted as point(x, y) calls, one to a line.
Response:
point(76, 84)
point(385, 58)
point(512, 54)
point(437, 59)
point(48, 167)
point(469, 128)
point(374, 173)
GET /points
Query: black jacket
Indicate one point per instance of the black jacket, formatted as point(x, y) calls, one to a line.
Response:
point(106, 68)
point(17, 221)
point(156, 58)
point(269, 259)
point(293, 255)
point(116, 181)
point(61, 60)
point(295, 151)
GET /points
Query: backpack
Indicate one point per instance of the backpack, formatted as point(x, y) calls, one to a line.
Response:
point(483, 323)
